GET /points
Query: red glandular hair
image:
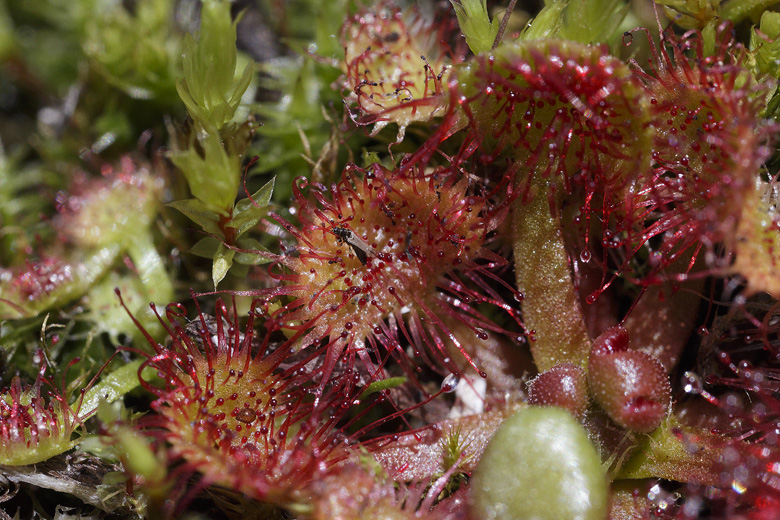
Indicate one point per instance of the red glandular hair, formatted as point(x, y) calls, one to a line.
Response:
point(32, 428)
point(241, 413)
point(34, 281)
point(740, 369)
point(382, 258)
point(708, 147)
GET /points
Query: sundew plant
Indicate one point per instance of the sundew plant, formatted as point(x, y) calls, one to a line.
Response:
point(355, 259)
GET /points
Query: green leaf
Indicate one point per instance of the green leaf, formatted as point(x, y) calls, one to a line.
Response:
point(223, 259)
point(475, 24)
point(249, 211)
point(709, 37)
point(384, 384)
point(738, 10)
point(546, 24)
point(206, 247)
point(690, 14)
point(139, 458)
point(111, 387)
point(251, 258)
point(592, 21)
point(7, 36)
point(540, 464)
point(676, 452)
point(209, 90)
point(765, 47)
point(213, 176)
point(138, 50)
point(199, 213)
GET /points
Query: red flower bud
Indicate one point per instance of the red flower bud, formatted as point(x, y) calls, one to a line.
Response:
point(564, 386)
point(631, 386)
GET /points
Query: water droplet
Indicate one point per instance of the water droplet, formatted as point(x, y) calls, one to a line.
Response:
point(692, 383)
point(449, 383)
point(585, 256)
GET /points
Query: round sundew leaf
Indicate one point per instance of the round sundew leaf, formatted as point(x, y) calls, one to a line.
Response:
point(563, 111)
point(540, 465)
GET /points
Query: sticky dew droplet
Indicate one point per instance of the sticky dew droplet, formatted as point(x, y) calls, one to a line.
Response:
point(450, 383)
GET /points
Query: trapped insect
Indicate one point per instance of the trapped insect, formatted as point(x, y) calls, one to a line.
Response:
point(359, 246)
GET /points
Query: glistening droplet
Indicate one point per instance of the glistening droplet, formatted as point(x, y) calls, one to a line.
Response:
point(450, 383)
point(692, 383)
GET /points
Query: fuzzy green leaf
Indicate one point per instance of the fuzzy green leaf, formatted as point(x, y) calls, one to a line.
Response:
point(690, 14)
point(765, 47)
point(546, 24)
point(111, 387)
point(676, 452)
point(592, 21)
point(135, 52)
point(540, 464)
point(738, 10)
point(384, 384)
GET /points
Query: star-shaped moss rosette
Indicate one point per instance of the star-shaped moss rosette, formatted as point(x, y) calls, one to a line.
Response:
point(136, 50)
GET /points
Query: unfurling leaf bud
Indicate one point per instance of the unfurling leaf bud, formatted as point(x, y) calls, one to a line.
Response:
point(564, 386)
point(631, 386)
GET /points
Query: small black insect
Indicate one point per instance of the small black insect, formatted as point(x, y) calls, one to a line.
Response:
point(358, 245)
point(392, 37)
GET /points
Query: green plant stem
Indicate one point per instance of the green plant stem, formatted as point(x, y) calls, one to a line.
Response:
point(112, 387)
point(551, 306)
point(150, 268)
